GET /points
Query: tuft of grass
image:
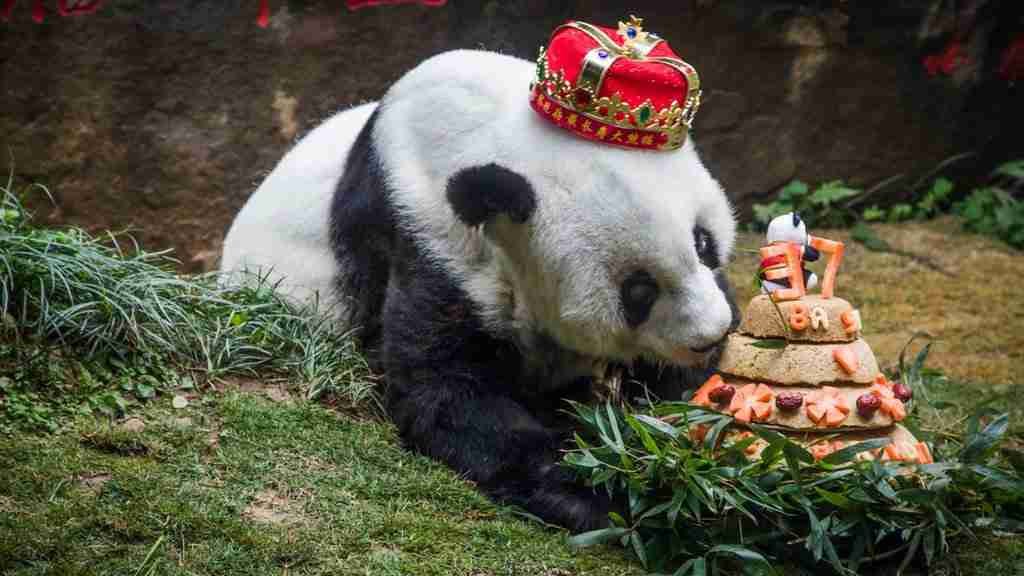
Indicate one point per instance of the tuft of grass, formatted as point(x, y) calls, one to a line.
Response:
point(67, 297)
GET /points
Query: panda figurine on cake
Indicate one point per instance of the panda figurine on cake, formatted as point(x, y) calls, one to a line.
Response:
point(494, 229)
point(790, 228)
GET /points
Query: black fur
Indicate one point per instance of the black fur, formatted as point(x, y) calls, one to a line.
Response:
point(709, 255)
point(455, 391)
point(480, 193)
point(637, 294)
point(363, 235)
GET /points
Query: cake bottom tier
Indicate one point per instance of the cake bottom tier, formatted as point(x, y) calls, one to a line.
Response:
point(903, 446)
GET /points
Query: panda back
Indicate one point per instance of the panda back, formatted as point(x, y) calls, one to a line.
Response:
point(283, 231)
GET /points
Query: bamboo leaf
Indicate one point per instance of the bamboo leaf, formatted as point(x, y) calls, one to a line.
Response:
point(741, 552)
point(595, 537)
point(834, 498)
point(770, 343)
point(692, 567)
point(638, 548)
point(980, 444)
point(582, 459)
point(659, 425)
point(999, 479)
point(614, 424)
point(655, 510)
point(711, 439)
point(679, 497)
point(645, 437)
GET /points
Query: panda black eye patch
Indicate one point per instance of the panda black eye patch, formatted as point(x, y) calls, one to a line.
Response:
point(706, 248)
point(639, 292)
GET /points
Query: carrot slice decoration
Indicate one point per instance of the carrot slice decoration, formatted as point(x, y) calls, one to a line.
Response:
point(700, 398)
point(754, 448)
point(827, 407)
point(823, 449)
point(924, 455)
point(850, 320)
point(891, 405)
point(901, 452)
point(846, 358)
point(752, 402)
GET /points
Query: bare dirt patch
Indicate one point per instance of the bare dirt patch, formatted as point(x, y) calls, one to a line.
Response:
point(133, 425)
point(274, 391)
point(94, 481)
point(272, 507)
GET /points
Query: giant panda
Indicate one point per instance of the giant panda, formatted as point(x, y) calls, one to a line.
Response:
point(490, 261)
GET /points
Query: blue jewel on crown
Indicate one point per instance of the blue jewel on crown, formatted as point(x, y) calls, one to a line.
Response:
point(634, 36)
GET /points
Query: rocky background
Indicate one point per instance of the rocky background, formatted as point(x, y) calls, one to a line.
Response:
point(161, 116)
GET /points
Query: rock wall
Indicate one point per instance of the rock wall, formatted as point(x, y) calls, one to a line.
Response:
point(161, 117)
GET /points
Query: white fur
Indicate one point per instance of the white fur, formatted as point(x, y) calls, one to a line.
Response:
point(601, 212)
point(282, 232)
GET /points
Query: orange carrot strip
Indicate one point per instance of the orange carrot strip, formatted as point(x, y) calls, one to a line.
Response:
point(924, 455)
point(835, 250)
point(846, 358)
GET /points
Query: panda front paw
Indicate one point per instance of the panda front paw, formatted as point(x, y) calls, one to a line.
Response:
point(578, 513)
point(560, 499)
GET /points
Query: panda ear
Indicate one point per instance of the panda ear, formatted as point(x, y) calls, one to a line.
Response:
point(481, 193)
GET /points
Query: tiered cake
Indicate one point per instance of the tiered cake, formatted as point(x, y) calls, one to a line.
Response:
point(799, 365)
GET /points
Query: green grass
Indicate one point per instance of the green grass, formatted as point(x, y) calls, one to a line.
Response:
point(93, 324)
point(238, 484)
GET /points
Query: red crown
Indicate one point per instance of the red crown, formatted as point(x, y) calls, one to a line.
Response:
point(624, 86)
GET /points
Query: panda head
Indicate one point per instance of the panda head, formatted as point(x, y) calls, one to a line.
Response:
point(614, 253)
point(788, 227)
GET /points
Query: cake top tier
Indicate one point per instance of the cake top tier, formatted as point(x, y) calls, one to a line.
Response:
point(810, 318)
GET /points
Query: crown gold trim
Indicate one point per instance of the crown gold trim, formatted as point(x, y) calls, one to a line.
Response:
point(673, 122)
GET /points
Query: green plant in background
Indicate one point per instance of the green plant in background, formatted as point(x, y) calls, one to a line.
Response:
point(825, 205)
point(88, 325)
point(936, 200)
point(694, 509)
point(994, 210)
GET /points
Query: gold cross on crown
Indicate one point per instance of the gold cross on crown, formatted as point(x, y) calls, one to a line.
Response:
point(633, 35)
